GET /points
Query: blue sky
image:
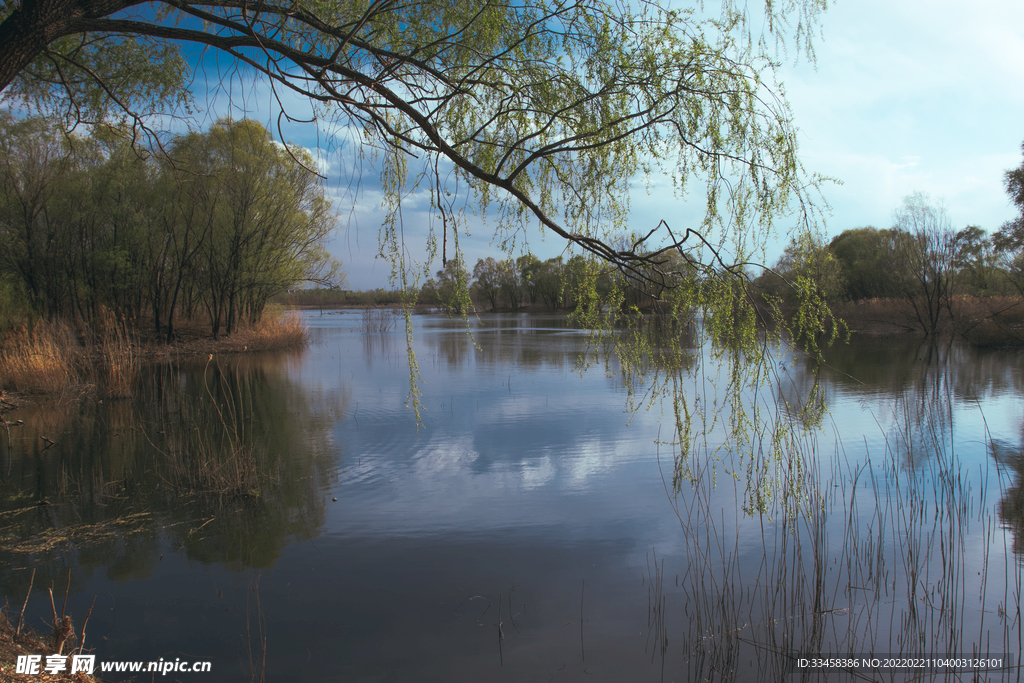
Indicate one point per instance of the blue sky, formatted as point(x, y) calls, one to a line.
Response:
point(905, 96)
point(914, 96)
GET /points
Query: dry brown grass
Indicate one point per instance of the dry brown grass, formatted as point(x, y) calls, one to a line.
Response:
point(47, 358)
point(120, 354)
point(981, 321)
point(990, 321)
point(276, 331)
point(42, 359)
point(878, 316)
point(16, 640)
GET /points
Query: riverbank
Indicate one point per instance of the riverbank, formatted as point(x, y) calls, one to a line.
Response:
point(980, 321)
point(53, 357)
point(14, 644)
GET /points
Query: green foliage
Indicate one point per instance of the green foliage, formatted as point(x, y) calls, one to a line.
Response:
point(864, 255)
point(701, 356)
point(486, 283)
point(1014, 180)
point(806, 263)
point(548, 283)
point(88, 223)
point(96, 78)
point(260, 216)
point(452, 288)
point(554, 113)
point(510, 282)
point(1009, 240)
point(976, 262)
point(525, 280)
point(325, 298)
point(806, 282)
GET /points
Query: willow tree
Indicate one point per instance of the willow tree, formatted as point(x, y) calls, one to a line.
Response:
point(547, 108)
point(268, 219)
point(246, 222)
point(551, 112)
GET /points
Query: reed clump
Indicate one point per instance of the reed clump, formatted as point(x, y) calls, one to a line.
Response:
point(276, 331)
point(223, 473)
point(196, 461)
point(379, 319)
point(43, 358)
point(119, 351)
point(209, 448)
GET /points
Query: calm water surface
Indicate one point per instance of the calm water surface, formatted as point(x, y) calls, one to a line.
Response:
point(524, 529)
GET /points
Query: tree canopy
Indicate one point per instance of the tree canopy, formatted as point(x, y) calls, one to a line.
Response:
point(1009, 240)
point(86, 223)
point(550, 110)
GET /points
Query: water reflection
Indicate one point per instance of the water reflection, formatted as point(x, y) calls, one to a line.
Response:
point(526, 485)
point(227, 461)
point(1010, 458)
point(885, 366)
point(518, 340)
point(914, 398)
point(380, 347)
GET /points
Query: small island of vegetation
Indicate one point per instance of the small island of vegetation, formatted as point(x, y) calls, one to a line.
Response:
point(107, 252)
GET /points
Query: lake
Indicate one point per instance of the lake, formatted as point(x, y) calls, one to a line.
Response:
point(287, 517)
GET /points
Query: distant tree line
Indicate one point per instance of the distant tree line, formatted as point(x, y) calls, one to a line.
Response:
point(509, 284)
point(513, 284)
point(313, 297)
point(209, 231)
point(920, 260)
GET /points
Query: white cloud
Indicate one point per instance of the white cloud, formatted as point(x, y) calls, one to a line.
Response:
point(914, 96)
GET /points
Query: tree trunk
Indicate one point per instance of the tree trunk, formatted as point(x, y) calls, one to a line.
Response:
point(26, 32)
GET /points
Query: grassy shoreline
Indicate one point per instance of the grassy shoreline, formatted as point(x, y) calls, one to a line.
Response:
point(53, 357)
point(982, 322)
point(979, 321)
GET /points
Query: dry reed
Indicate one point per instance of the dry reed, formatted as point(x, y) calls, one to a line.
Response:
point(208, 444)
point(41, 359)
point(990, 321)
point(120, 352)
point(379, 319)
point(980, 321)
point(196, 462)
point(231, 473)
point(274, 332)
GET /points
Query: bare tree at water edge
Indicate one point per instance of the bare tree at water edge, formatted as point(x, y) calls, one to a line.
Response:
point(925, 258)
